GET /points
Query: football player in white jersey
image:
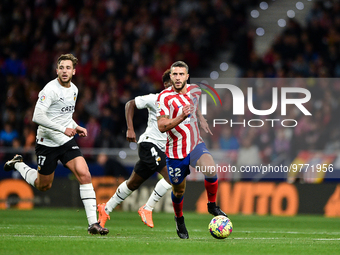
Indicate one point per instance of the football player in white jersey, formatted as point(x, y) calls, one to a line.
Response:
point(55, 140)
point(151, 147)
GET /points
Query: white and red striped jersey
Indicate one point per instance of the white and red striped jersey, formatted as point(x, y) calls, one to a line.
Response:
point(182, 139)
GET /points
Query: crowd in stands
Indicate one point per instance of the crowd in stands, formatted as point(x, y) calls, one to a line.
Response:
point(305, 56)
point(124, 47)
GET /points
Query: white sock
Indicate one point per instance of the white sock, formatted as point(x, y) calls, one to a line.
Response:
point(29, 174)
point(119, 196)
point(88, 196)
point(161, 188)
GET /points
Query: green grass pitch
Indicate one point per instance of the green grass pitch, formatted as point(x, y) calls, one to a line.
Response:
point(64, 231)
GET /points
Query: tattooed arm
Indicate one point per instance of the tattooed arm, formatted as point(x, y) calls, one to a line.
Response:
point(165, 124)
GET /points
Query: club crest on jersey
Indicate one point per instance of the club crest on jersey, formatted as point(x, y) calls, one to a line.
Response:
point(174, 179)
point(74, 96)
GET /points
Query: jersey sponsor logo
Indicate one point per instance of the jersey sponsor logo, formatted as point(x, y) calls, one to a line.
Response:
point(75, 147)
point(67, 109)
point(42, 98)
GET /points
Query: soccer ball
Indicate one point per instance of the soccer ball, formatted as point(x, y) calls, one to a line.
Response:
point(220, 227)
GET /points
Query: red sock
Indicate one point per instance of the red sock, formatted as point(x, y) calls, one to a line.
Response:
point(178, 208)
point(211, 188)
point(177, 204)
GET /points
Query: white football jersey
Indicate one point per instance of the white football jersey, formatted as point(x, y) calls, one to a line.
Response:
point(152, 133)
point(59, 103)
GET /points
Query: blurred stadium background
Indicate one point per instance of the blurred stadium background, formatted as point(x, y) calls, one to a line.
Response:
point(123, 49)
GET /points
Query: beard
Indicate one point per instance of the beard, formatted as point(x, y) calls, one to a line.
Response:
point(181, 87)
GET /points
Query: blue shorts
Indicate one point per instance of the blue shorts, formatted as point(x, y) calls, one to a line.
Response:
point(178, 169)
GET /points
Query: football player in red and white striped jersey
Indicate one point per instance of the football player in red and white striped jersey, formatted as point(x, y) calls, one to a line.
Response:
point(177, 115)
point(185, 136)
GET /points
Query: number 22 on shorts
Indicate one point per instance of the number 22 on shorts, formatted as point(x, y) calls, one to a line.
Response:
point(174, 172)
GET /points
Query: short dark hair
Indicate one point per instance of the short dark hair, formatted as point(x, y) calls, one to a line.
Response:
point(166, 76)
point(68, 57)
point(180, 64)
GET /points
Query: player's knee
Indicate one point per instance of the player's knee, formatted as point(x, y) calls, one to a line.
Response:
point(210, 173)
point(43, 186)
point(179, 193)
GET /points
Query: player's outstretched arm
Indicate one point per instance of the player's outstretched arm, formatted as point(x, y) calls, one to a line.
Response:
point(165, 124)
point(129, 112)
